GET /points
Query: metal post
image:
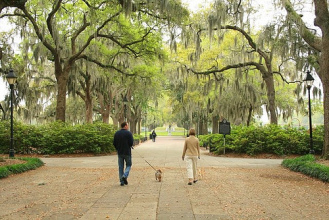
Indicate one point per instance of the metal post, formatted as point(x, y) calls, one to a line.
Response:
point(125, 112)
point(310, 119)
point(145, 127)
point(224, 143)
point(11, 150)
point(125, 101)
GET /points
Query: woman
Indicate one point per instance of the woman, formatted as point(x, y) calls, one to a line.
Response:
point(192, 153)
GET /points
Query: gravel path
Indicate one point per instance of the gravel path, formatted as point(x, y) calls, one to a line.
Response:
point(230, 188)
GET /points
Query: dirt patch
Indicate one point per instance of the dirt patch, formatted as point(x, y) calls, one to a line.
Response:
point(6, 162)
point(324, 162)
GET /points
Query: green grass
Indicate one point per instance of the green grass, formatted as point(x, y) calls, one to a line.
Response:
point(161, 131)
point(31, 164)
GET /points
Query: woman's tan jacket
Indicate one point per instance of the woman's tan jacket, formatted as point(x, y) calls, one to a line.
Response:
point(191, 146)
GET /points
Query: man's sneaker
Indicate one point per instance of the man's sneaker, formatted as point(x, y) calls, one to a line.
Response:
point(124, 179)
point(121, 184)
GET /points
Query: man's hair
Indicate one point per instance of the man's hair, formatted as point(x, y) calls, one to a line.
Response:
point(192, 131)
point(123, 124)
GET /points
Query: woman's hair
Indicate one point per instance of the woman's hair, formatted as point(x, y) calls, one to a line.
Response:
point(192, 131)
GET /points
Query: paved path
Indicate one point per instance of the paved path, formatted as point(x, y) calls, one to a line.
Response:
point(229, 188)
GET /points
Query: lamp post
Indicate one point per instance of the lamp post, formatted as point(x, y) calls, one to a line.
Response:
point(309, 82)
point(125, 101)
point(145, 117)
point(198, 110)
point(154, 123)
point(11, 78)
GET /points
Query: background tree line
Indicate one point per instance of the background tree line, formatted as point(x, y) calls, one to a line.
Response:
point(207, 66)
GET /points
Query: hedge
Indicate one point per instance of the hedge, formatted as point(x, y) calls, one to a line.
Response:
point(270, 139)
point(308, 166)
point(31, 164)
point(57, 138)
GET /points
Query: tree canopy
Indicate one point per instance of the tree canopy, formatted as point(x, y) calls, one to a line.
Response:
point(192, 68)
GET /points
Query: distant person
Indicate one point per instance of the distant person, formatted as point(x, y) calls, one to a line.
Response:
point(123, 142)
point(153, 134)
point(191, 153)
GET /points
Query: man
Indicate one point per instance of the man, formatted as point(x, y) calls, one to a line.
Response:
point(153, 135)
point(123, 142)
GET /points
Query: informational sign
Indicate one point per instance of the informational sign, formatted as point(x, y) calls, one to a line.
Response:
point(224, 127)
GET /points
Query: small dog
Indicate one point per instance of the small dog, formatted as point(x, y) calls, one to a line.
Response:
point(158, 175)
point(201, 173)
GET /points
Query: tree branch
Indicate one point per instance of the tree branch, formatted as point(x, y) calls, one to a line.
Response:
point(307, 35)
point(105, 66)
point(38, 32)
point(95, 8)
point(91, 37)
point(258, 66)
point(51, 16)
point(284, 80)
point(76, 34)
point(12, 3)
point(249, 39)
point(126, 45)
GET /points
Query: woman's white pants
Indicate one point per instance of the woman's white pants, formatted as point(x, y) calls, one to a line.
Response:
point(191, 165)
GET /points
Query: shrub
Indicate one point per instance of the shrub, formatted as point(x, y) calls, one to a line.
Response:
point(4, 172)
point(58, 137)
point(270, 139)
point(31, 164)
point(308, 166)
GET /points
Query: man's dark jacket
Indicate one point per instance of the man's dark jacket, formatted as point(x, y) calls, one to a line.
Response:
point(123, 141)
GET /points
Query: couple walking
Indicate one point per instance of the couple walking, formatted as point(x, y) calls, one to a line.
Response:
point(123, 142)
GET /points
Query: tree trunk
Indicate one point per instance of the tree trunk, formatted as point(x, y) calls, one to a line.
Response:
point(321, 20)
point(105, 109)
point(89, 109)
point(204, 126)
point(61, 77)
point(139, 127)
point(249, 115)
point(325, 152)
point(116, 122)
point(271, 98)
point(88, 102)
point(106, 116)
point(215, 125)
point(132, 126)
point(200, 126)
point(325, 82)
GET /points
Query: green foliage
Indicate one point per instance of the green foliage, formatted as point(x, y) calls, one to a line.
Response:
point(4, 172)
point(271, 139)
point(138, 137)
point(58, 137)
point(31, 164)
point(308, 166)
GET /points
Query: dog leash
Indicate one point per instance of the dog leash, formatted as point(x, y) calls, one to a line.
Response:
point(144, 159)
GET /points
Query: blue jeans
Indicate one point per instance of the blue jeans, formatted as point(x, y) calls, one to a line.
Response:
point(122, 171)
